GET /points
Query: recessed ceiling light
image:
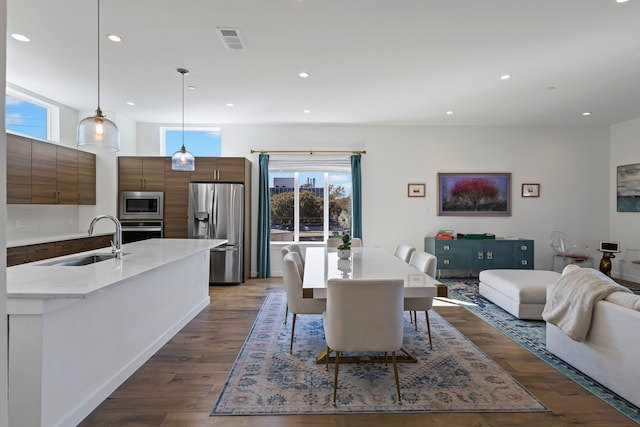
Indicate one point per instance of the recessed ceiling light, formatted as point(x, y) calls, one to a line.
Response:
point(621, 1)
point(20, 37)
point(306, 111)
point(131, 103)
point(587, 113)
point(304, 74)
point(191, 87)
point(505, 77)
point(449, 113)
point(551, 88)
point(230, 105)
point(114, 38)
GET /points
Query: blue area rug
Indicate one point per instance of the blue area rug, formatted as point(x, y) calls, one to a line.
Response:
point(531, 335)
point(454, 376)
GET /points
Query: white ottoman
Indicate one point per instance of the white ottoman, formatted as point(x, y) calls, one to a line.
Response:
point(522, 293)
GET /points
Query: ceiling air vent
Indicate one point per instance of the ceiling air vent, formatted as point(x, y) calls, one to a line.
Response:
point(231, 38)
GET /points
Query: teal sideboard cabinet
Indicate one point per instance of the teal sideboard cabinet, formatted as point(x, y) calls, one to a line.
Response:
point(484, 254)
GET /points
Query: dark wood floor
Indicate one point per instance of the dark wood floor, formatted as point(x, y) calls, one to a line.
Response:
point(180, 384)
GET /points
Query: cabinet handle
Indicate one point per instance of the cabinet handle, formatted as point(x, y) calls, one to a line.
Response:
point(480, 255)
point(446, 248)
point(489, 255)
point(140, 183)
point(445, 261)
point(524, 248)
point(524, 262)
point(57, 197)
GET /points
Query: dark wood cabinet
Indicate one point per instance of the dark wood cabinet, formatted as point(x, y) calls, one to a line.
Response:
point(43, 173)
point(30, 253)
point(219, 169)
point(141, 173)
point(176, 202)
point(44, 176)
point(86, 178)
point(18, 170)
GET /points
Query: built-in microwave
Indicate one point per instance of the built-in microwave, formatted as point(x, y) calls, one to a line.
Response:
point(141, 204)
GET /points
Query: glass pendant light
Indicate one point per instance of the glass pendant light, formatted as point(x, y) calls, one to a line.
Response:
point(182, 160)
point(98, 132)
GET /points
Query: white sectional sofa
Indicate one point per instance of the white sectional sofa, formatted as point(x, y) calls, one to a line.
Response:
point(609, 354)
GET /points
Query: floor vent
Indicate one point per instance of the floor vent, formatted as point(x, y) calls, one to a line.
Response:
point(231, 38)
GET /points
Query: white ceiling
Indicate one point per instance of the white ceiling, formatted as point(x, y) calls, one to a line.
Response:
point(371, 61)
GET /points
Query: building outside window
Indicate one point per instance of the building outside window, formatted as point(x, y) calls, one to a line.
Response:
point(198, 141)
point(299, 209)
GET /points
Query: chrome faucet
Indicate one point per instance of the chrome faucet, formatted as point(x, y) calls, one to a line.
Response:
point(116, 248)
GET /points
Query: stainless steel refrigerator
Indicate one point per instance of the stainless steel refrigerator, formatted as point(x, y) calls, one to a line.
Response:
point(216, 211)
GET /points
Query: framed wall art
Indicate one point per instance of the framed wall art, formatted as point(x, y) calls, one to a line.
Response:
point(416, 190)
point(486, 194)
point(628, 188)
point(530, 190)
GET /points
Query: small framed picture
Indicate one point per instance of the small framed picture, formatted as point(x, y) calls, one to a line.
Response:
point(530, 190)
point(416, 190)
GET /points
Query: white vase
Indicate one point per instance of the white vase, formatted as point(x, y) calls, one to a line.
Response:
point(344, 253)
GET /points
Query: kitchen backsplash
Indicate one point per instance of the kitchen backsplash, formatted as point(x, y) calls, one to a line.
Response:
point(36, 221)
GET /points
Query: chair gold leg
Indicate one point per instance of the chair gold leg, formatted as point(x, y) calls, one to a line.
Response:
point(326, 368)
point(293, 328)
point(335, 378)
point(395, 372)
point(426, 313)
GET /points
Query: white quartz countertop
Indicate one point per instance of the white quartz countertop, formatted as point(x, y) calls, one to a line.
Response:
point(37, 240)
point(35, 280)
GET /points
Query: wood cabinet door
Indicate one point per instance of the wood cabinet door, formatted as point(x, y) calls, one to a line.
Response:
point(43, 173)
point(130, 173)
point(153, 173)
point(205, 169)
point(176, 201)
point(87, 178)
point(16, 255)
point(18, 170)
point(230, 169)
point(67, 175)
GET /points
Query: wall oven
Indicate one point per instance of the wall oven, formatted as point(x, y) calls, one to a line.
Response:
point(134, 231)
point(142, 205)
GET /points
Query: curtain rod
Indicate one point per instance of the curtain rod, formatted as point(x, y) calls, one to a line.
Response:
point(309, 151)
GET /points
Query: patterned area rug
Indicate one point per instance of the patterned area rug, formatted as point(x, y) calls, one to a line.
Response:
point(531, 335)
point(453, 377)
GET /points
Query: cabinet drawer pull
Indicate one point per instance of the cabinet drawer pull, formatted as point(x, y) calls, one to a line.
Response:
point(524, 262)
point(489, 255)
point(480, 255)
point(524, 248)
point(446, 248)
point(445, 261)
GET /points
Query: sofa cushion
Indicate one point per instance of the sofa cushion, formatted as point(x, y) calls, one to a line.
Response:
point(625, 299)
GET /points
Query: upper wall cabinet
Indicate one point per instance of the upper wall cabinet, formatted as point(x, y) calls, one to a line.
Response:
point(141, 173)
point(44, 173)
point(219, 169)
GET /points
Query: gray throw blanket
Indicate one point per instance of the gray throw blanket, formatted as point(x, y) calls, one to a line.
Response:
point(572, 298)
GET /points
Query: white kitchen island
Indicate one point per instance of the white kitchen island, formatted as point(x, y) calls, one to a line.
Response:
point(77, 332)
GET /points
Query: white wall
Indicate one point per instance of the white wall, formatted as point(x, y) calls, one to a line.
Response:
point(625, 226)
point(570, 163)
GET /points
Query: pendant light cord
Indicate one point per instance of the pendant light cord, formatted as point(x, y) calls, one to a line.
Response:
point(183, 73)
point(98, 55)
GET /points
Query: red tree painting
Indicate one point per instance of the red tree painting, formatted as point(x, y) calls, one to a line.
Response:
point(474, 193)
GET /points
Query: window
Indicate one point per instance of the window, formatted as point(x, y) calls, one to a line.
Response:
point(30, 116)
point(198, 141)
point(299, 209)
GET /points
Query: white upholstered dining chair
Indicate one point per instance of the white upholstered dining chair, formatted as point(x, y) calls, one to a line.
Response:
point(426, 263)
point(299, 262)
point(293, 286)
point(379, 328)
point(404, 252)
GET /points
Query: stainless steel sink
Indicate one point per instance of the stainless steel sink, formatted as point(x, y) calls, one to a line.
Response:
point(81, 260)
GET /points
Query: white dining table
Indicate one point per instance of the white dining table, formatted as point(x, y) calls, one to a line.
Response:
point(322, 264)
